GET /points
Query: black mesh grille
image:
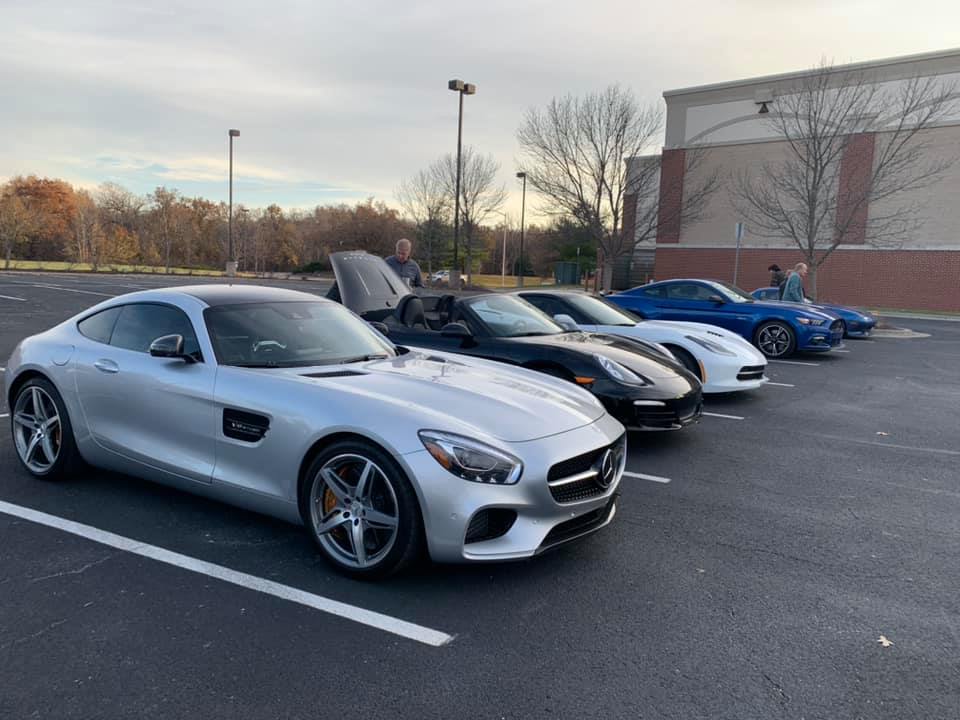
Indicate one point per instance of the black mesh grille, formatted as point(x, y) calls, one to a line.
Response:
point(490, 524)
point(751, 372)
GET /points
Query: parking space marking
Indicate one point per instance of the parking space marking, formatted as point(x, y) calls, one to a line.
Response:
point(841, 351)
point(66, 289)
point(642, 476)
point(11, 297)
point(721, 415)
point(3, 415)
point(796, 362)
point(389, 624)
point(776, 384)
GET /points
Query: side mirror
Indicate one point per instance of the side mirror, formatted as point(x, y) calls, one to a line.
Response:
point(456, 330)
point(566, 322)
point(169, 346)
point(716, 299)
point(380, 327)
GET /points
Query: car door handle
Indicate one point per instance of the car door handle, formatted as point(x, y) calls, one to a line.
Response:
point(107, 366)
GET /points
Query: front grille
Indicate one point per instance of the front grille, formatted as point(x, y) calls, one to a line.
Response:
point(578, 526)
point(489, 524)
point(682, 413)
point(751, 372)
point(578, 477)
point(836, 331)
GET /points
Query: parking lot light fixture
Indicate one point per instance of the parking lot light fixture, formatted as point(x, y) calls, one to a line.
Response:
point(523, 204)
point(231, 264)
point(458, 86)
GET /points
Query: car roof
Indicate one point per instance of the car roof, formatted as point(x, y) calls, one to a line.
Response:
point(214, 295)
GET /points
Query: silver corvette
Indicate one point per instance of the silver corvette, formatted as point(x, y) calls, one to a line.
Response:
point(290, 405)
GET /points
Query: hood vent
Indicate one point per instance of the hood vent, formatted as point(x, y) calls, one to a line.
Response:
point(333, 374)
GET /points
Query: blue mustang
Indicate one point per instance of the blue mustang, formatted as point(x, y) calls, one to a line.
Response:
point(856, 323)
point(777, 329)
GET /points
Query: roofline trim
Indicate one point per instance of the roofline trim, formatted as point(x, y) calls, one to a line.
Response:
point(796, 74)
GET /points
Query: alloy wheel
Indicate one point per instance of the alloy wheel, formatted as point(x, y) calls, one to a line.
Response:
point(37, 430)
point(354, 510)
point(774, 340)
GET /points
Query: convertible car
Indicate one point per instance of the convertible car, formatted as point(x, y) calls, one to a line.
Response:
point(638, 384)
point(723, 361)
point(777, 329)
point(290, 405)
point(856, 323)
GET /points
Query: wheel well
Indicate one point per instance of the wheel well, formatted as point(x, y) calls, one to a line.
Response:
point(318, 447)
point(19, 383)
point(681, 352)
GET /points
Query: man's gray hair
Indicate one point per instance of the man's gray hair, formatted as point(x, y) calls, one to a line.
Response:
point(403, 241)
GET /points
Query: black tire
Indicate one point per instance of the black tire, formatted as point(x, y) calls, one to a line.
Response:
point(775, 339)
point(68, 460)
point(408, 542)
point(843, 326)
point(687, 360)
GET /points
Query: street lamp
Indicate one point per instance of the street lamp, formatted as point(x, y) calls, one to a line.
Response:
point(231, 263)
point(463, 88)
point(503, 264)
point(523, 206)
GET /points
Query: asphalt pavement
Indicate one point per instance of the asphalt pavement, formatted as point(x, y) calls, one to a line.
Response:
point(755, 562)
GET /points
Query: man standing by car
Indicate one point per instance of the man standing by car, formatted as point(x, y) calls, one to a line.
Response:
point(777, 278)
point(793, 287)
point(406, 268)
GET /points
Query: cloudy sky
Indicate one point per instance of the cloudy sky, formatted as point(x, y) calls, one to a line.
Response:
point(338, 101)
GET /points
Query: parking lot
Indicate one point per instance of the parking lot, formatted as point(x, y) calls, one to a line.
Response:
point(754, 564)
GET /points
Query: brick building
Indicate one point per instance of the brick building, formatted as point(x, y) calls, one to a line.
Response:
point(724, 122)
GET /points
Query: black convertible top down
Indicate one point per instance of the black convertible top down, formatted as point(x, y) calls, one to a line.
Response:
point(641, 387)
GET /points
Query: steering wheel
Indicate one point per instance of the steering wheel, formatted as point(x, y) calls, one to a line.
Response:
point(518, 326)
point(268, 346)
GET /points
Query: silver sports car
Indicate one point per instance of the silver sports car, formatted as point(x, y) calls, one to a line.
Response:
point(290, 405)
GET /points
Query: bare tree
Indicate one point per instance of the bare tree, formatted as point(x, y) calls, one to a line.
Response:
point(15, 224)
point(425, 201)
point(823, 192)
point(480, 196)
point(574, 153)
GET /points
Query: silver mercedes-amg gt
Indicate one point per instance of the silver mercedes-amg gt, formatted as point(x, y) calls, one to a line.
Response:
point(291, 405)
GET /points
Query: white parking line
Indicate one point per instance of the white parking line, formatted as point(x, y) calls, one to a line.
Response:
point(721, 415)
point(11, 297)
point(795, 362)
point(840, 351)
point(66, 289)
point(776, 384)
point(409, 630)
point(3, 415)
point(651, 478)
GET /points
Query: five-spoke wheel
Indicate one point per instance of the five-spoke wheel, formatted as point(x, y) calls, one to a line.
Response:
point(42, 433)
point(775, 339)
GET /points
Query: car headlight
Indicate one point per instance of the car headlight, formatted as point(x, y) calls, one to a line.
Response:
point(620, 372)
point(810, 321)
point(710, 345)
point(471, 459)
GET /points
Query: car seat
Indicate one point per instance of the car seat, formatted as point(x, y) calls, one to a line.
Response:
point(410, 312)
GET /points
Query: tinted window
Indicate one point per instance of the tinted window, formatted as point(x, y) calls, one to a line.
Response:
point(549, 305)
point(99, 327)
point(689, 291)
point(508, 316)
point(141, 324)
point(655, 292)
point(599, 312)
point(291, 334)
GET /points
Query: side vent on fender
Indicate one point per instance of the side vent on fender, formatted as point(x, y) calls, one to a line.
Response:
point(245, 426)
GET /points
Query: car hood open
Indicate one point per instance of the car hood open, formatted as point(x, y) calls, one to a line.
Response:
point(502, 402)
point(366, 283)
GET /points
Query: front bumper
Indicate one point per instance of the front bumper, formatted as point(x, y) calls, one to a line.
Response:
point(730, 374)
point(820, 338)
point(537, 521)
point(666, 414)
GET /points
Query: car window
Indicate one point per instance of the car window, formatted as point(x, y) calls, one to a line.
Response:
point(689, 291)
point(509, 316)
point(551, 306)
point(654, 292)
point(142, 323)
point(99, 326)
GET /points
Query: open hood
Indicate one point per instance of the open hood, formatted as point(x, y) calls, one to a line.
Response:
point(366, 283)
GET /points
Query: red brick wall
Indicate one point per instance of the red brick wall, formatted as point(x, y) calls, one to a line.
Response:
point(856, 167)
point(904, 279)
point(673, 167)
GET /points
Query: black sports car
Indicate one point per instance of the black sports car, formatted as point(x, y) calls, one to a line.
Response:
point(638, 385)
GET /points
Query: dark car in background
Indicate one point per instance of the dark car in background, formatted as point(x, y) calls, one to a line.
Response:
point(638, 385)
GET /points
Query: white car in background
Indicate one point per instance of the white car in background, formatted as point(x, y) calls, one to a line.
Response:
point(722, 360)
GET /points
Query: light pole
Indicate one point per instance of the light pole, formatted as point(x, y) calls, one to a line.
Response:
point(503, 264)
point(463, 88)
point(231, 263)
point(523, 207)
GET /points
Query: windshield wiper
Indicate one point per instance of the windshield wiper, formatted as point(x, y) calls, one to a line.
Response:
point(539, 334)
point(364, 358)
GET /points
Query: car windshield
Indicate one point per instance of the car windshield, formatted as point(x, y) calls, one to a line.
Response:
point(506, 316)
point(600, 312)
point(731, 292)
point(292, 334)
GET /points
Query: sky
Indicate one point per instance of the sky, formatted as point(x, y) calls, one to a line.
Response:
point(339, 101)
